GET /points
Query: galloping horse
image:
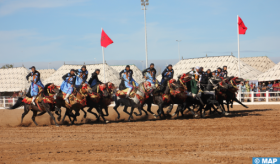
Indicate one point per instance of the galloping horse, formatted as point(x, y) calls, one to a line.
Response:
point(135, 100)
point(45, 103)
point(100, 98)
point(77, 101)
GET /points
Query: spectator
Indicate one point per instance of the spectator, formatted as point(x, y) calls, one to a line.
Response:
point(269, 87)
point(263, 89)
point(247, 90)
point(15, 94)
point(243, 89)
point(275, 87)
point(20, 94)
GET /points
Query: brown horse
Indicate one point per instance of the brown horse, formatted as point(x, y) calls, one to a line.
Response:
point(100, 98)
point(45, 103)
point(77, 101)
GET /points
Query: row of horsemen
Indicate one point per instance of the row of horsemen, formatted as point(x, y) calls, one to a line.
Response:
point(204, 90)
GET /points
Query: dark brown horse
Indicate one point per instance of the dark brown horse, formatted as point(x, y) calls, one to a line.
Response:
point(44, 103)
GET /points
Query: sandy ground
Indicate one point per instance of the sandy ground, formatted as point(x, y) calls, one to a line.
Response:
point(246, 133)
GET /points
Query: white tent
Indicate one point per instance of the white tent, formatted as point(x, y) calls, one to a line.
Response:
point(45, 73)
point(137, 74)
point(110, 74)
point(271, 74)
point(13, 79)
point(185, 65)
point(261, 63)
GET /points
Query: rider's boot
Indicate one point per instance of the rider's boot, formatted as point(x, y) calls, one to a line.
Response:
point(66, 98)
point(128, 92)
point(33, 100)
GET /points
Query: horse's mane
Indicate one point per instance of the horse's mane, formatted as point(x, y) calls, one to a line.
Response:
point(45, 90)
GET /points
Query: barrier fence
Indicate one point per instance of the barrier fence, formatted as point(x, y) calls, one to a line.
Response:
point(248, 98)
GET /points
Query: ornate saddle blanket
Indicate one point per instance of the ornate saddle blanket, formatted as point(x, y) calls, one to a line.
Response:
point(49, 99)
point(72, 99)
point(122, 93)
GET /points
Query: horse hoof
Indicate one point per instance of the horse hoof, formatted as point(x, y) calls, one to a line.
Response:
point(57, 125)
point(203, 116)
point(226, 113)
point(196, 115)
point(107, 121)
point(173, 114)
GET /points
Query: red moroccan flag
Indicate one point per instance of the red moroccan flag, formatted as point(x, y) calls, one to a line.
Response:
point(242, 27)
point(105, 40)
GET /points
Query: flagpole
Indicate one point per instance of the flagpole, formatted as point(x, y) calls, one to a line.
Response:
point(103, 62)
point(238, 47)
point(239, 95)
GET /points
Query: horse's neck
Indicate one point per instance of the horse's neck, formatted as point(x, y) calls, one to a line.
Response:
point(79, 96)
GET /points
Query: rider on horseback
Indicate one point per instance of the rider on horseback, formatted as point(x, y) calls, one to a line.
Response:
point(35, 83)
point(68, 84)
point(205, 77)
point(94, 78)
point(225, 71)
point(81, 77)
point(129, 82)
point(195, 82)
point(167, 75)
point(150, 74)
point(219, 72)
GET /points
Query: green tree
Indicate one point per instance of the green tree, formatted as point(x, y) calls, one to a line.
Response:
point(7, 66)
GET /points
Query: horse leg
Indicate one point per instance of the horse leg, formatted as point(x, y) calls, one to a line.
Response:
point(85, 113)
point(102, 115)
point(170, 108)
point(47, 107)
point(33, 117)
point(149, 109)
point(58, 112)
point(235, 99)
point(98, 110)
point(26, 110)
point(130, 114)
point(125, 111)
point(117, 104)
point(140, 112)
point(106, 111)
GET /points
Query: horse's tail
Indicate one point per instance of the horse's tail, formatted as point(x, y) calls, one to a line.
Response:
point(19, 103)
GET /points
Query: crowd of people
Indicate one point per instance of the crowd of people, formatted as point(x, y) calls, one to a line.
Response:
point(259, 89)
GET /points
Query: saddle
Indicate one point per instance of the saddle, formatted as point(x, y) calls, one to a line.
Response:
point(122, 93)
point(73, 99)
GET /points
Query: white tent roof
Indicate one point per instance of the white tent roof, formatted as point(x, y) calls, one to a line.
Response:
point(185, 65)
point(261, 63)
point(137, 74)
point(271, 74)
point(13, 79)
point(45, 73)
point(110, 73)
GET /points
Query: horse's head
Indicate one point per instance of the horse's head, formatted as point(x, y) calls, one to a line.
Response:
point(186, 77)
point(223, 85)
point(148, 86)
point(174, 85)
point(53, 89)
point(103, 88)
point(111, 87)
point(85, 88)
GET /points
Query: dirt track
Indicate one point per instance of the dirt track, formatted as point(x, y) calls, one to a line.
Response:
point(237, 138)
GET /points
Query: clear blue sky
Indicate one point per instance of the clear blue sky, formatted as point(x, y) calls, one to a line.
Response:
point(69, 30)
